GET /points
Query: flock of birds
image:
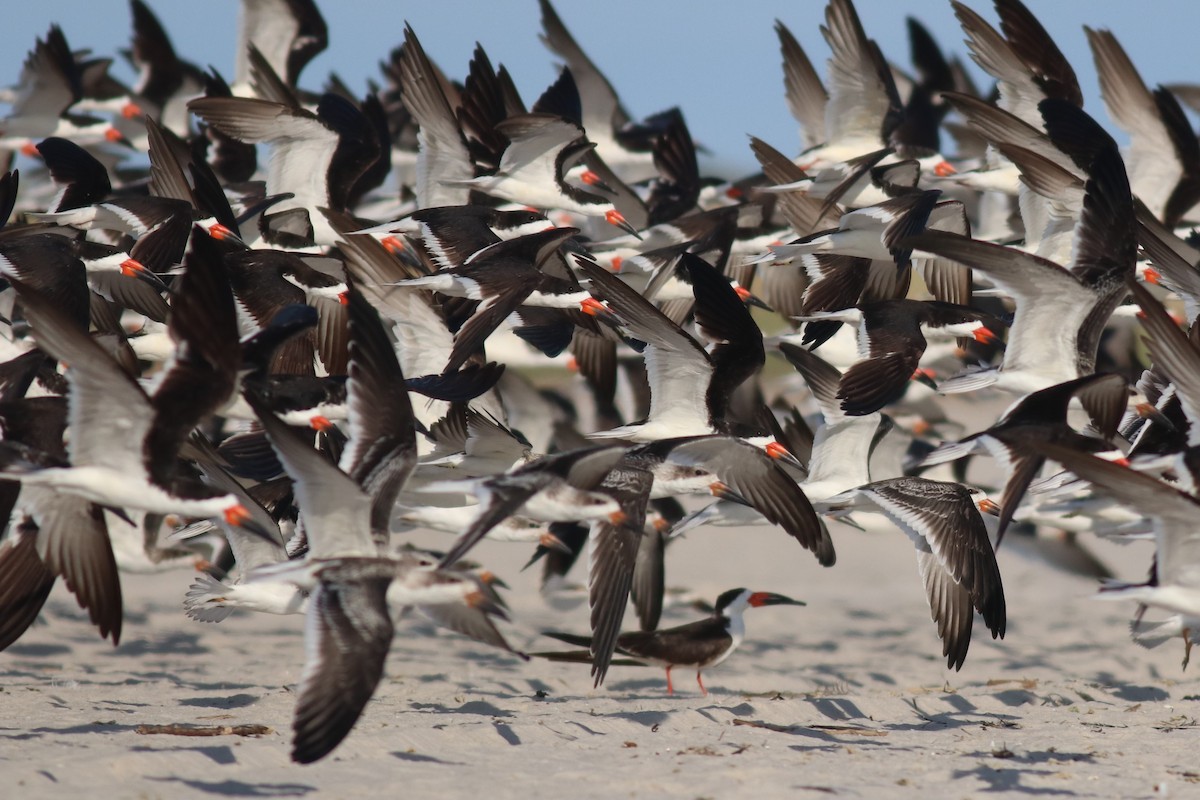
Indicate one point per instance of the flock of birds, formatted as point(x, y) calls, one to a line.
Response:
point(280, 328)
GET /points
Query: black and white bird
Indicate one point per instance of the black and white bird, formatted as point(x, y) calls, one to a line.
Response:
point(690, 387)
point(314, 157)
point(697, 645)
point(533, 169)
point(1061, 310)
point(564, 486)
point(124, 444)
point(954, 553)
point(1175, 586)
point(892, 343)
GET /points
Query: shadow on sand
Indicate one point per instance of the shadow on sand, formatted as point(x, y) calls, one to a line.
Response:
point(241, 788)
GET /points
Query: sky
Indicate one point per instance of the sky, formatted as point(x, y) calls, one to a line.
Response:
point(719, 61)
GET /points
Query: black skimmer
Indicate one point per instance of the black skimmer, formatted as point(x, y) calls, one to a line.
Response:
point(862, 111)
point(564, 486)
point(424, 343)
point(9, 183)
point(50, 84)
point(649, 570)
point(81, 178)
point(805, 94)
point(378, 438)
point(174, 174)
point(1164, 155)
point(498, 267)
point(233, 160)
point(159, 224)
point(349, 632)
point(443, 160)
point(748, 473)
point(1028, 67)
point(382, 450)
point(488, 107)
point(802, 211)
point(603, 116)
point(879, 232)
point(449, 235)
point(1172, 263)
point(487, 98)
point(165, 82)
point(1154, 633)
point(503, 276)
point(266, 281)
point(1071, 315)
point(337, 517)
point(842, 446)
point(1173, 586)
point(697, 645)
point(689, 386)
point(119, 277)
point(212, 599)
point(916, 134)
point(675, 193)
point(1041, 416)
point(954, 554)
point(49, 264)
point(835, 283)
point(124, 444)
point(693, 401)
point(201, 376)
point(1176, 359)
point(863, 107)
point(317, 158)
point(532, 171)
point(1026, 165)
point(865, 258)
point(613, 546)
point(288, 34)
point(1027, 64)
point(350, 590)
point(52, 535)
point(456, 519)
point(892, 344)
point(1030, 42)
point(335, 510)
point(620, 555)
point(472, 444)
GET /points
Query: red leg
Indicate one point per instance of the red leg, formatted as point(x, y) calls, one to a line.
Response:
point(701, 682)
point(670, 688)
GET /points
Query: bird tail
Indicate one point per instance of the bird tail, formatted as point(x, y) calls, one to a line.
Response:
point(570, 638)
point(1153, 633)
point(574, 656)
point(585, 657)
point(204, 601)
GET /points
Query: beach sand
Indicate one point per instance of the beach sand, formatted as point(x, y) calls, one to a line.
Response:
point(848, 697)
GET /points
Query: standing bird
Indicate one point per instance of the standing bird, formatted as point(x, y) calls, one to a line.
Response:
point(701, 644)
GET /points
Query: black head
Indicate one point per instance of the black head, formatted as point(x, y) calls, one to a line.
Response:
point(742, 597)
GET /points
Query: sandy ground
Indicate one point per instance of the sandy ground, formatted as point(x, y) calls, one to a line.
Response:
point(847, 697)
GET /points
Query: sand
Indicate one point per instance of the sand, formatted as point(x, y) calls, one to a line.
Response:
point(847, 697)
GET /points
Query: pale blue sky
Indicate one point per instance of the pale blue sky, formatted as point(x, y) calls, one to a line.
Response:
point(718, 60)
